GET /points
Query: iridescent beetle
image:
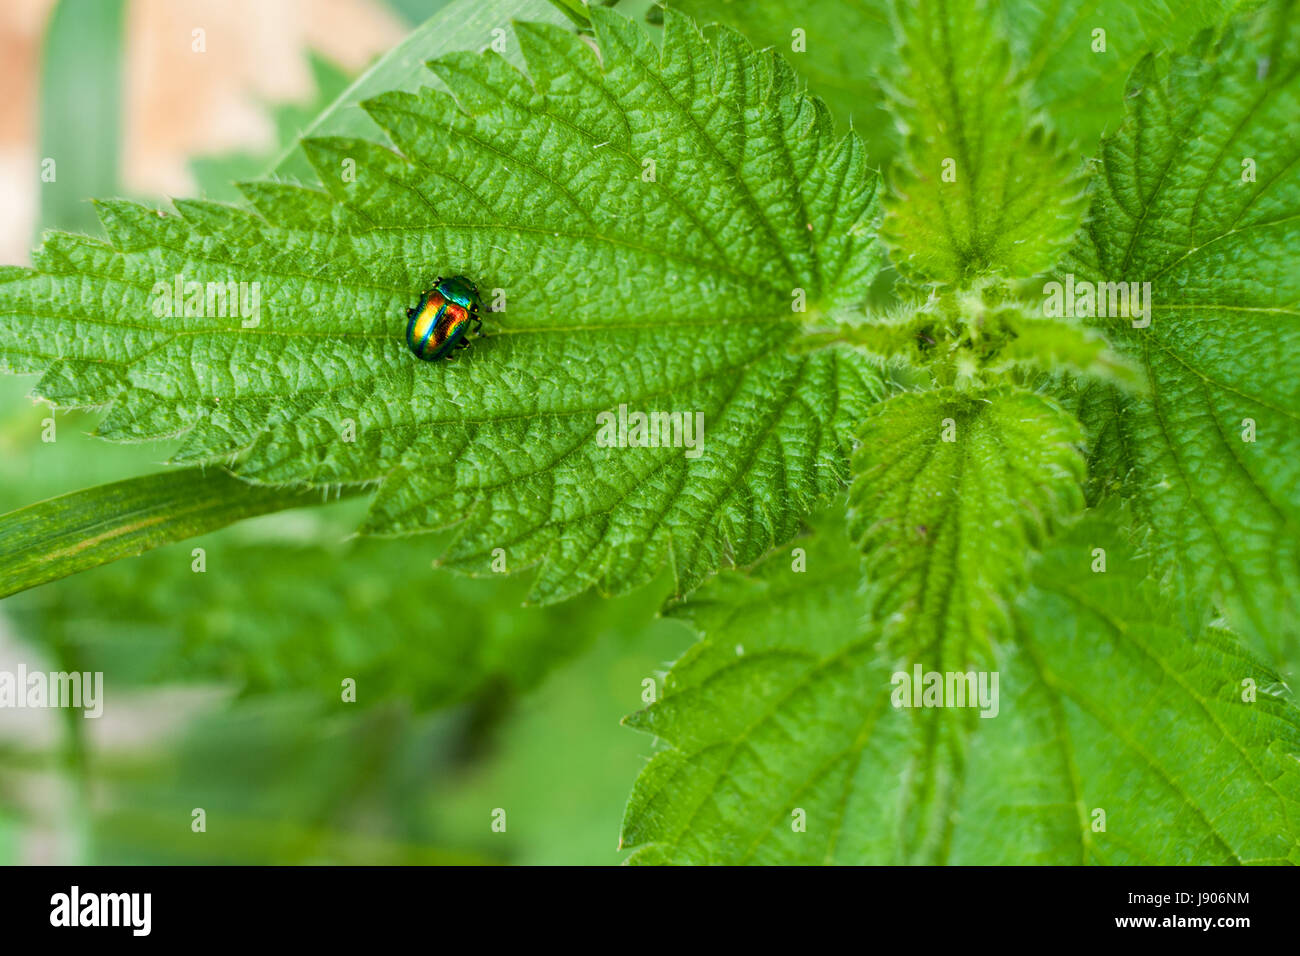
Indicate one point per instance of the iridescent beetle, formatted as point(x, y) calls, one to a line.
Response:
point(439, 324)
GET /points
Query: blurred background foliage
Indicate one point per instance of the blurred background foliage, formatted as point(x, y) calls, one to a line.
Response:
point(224, 691)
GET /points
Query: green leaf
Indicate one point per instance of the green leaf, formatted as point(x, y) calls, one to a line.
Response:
point(983, 189)
point(284, 604)
point(576, 11)
point(951, 489)
point(665, 293)
point(1172, 207)
point(1052, 345)
point(784, 714)
point(84, 529)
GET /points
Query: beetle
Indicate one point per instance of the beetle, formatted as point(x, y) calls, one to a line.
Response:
point(438, 325)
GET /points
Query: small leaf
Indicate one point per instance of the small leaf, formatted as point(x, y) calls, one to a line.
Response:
point(951, 490)
point(983, 188)
point(1053, 345)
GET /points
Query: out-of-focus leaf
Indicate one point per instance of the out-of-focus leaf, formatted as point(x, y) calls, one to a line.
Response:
point(84, 529)
point(287, 604)
point(80, 111)
point(456, 26)
point(850, 46)
point(217, 175)
point(839, 50)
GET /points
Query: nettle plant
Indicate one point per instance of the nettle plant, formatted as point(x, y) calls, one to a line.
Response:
point(1055, 381)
